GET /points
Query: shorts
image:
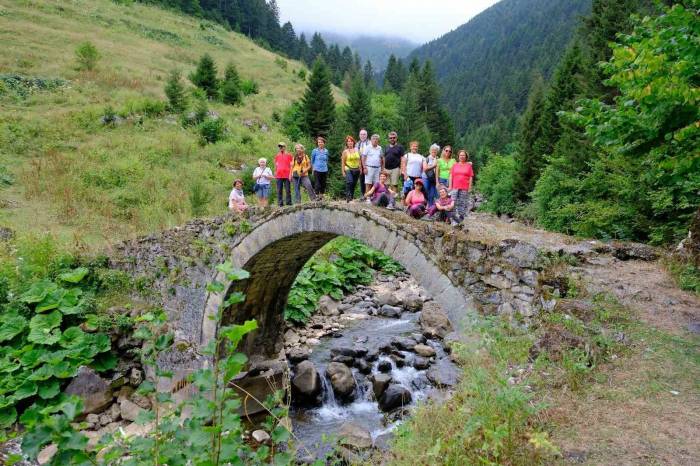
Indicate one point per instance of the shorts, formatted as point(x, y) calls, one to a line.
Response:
point(394, 174)
point(263, 191)
point(372, 175)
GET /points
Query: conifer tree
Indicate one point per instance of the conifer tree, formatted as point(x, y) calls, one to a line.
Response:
point(304, 50)
point(528, 158)
point(395, 75)
point(175, 92)
point(205, 76)
point(318, 48)
point(368, 73)
point(231, 86)
point(359, 109)
point(317, 103)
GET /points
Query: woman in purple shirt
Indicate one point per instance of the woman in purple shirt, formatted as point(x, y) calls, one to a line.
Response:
point(381, 194)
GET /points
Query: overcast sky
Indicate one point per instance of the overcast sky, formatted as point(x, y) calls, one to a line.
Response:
point(417, 20)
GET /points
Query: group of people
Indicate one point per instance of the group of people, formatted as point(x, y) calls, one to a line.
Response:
point(436, 186)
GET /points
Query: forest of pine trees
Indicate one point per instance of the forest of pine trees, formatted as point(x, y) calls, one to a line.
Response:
point(603, 151)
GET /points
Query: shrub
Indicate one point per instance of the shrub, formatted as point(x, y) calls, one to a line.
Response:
point(175, 91)
point(249, 86)
point(143, 106)
point(292, 121)
point(302, 74)
point(199, 197)
point(282, 63)
point(212, 130)
point(495, 182)
point(87, 56)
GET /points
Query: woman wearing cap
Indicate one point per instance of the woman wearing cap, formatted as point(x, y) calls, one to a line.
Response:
point(319, 166)
point(300, 174)
point(236, 200)
point(350, 165)
point(461, 181)
point(415, 200)
point(263, 178)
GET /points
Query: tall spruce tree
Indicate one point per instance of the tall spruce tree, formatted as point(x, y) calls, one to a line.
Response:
point(175, 92)
point(231, 86)
point(317, 103)
point(290, 42)
point(204, 77)
point(368, 73)
point(318, 48)
point(395, 75)
point(304, 50)
point(529, 160)
point(359, 109)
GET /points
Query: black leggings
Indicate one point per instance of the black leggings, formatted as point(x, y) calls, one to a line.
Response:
point(320, 179)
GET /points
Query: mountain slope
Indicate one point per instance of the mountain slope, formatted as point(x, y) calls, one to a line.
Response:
point(75, 177)
point(486, 66)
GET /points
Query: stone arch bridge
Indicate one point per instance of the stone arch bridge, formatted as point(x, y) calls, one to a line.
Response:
point(465, 271)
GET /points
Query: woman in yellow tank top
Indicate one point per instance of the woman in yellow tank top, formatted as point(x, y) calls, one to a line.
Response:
point(351, 166)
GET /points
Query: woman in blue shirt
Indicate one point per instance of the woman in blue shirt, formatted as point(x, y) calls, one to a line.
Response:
point(319, 165)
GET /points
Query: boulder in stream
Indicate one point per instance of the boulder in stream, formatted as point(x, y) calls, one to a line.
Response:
point(434, 321)
point(392, 312)
point(306, 383)
point(403, 343)
point(354, 436)
point(387, 298)
point(395, 396)
point(341, 379)
point(424, 350)
point(327, 306)
point(379, 384)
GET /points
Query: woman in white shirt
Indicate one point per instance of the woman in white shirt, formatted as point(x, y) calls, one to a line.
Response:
point(412, 163)
point(262, 176)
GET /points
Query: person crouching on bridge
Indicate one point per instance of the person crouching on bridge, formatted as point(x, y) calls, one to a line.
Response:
point(415, 200)
point(444, 208)
point(381, 194)
point(236, 200)
point(300, 174)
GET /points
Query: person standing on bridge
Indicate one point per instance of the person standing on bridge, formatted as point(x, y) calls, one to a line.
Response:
point(263, 177)
point(430, 179)
point(300, 174)
point(350, 166)
point(319, 166)
point(283, 175)
point(362, 145)
point(412, 164)
point(373, 161)
point(393, 156)
point(444, 165)
point(461, 181)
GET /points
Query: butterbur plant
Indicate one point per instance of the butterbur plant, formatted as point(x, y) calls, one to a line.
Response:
point(206, 429)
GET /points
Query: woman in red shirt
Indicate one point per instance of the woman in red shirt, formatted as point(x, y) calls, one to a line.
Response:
point(461, 177)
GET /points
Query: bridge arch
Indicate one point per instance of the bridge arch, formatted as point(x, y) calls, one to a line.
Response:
point(276, 249)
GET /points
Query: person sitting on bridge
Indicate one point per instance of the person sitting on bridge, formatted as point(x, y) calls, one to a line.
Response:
point(300, 174)
point(236, 200)
point(444, 208)
point(380, 193)
point(415, 200)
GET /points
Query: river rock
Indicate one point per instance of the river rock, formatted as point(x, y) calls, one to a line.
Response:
point(129, 410)
point(398, 360)
point(363, 367)
point(353, 436)
point(341, 378)
point(327, 306)
point(343, 351)
point(136, 377)
point(92, 389)
point(403, 343)
point(387, 298)
point(421, 363)
point(434, 320)
point(392, 312)
point(424, 350)
point(291, 337)
point(347, 360)
point(395, 396)
point(384, 366)
point(260, 436)
point(298, 355)
point(443, 374)
point(306, 382)
point(379, 384)
point(411, 300)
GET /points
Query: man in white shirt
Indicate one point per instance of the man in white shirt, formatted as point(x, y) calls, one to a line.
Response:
point(373, 161)
point(362, 145)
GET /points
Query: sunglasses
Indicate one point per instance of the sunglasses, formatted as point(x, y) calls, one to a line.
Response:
point(448, 150)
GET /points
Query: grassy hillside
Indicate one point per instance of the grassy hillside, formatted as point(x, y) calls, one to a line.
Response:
point(66, 173)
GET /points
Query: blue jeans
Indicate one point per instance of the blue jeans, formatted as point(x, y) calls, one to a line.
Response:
point(283, 183)
point(430, 190)
point(352, 176)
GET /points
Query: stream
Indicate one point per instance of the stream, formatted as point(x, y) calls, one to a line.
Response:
point(361, 365)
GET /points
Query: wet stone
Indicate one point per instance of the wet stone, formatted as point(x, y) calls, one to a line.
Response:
point(384, 366)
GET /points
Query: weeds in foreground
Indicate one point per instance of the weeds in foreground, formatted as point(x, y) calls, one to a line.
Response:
point(686, 275)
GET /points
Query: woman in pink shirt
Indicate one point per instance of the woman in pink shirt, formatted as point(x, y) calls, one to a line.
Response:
point(415, 200)
point(461, 177)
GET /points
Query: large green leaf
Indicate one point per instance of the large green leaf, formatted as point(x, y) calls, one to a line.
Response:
point(38, 291)
point(51, 301)
point(8, 416)
point(12, 325)
point(49, 389)
point(41, 326)
point(45, 372)
point(74, 276)
point(72, 337)
point(31, 356)
point(70, 303)
point(27, 389)
point(104, 362)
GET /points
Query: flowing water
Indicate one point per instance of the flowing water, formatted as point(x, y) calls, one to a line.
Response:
point(316, 427)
